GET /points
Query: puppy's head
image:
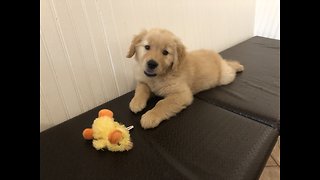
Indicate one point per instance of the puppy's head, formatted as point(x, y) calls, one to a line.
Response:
point(157, 51)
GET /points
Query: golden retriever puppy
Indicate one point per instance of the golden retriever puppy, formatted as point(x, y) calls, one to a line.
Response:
point(166, 69)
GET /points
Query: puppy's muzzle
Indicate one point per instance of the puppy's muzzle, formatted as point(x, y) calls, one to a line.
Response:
point(152, 64)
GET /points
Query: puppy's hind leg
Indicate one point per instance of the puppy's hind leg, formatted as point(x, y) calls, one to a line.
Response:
point(229, 70)
point(236, 65)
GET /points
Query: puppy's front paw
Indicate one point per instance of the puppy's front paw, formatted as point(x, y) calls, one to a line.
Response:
point(137, 105)
point(150, 120)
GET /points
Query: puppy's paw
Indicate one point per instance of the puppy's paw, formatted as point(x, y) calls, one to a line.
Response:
point(240, 68)
point(137, 105)
point(150, 120)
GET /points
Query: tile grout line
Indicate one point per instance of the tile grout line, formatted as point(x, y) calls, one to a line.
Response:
point(275, 161)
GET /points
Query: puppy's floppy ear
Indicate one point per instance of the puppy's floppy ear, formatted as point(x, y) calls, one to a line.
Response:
point(180, 54)
point(137, 39)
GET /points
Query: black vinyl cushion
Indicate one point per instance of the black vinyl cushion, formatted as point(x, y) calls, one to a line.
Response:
point(227, 133)
point(255, 93)
point(203, 142)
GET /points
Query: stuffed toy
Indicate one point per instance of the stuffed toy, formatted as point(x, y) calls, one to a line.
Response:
point(108, 134)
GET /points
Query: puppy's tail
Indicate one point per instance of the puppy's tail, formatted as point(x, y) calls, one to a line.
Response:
point(235, 65)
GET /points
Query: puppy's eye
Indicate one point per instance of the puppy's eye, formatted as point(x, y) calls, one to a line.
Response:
point(147, 47)
point(165, 52)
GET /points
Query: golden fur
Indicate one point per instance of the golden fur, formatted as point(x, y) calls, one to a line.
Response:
point(178, 76)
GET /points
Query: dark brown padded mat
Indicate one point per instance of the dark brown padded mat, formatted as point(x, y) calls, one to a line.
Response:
point(255, 93)
point(202, 142)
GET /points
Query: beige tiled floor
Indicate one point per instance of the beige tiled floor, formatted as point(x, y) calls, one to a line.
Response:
point(272, 169)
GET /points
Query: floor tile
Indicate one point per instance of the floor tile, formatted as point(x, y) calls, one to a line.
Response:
point(271, 162)
point(270, 173)
point(276, 152)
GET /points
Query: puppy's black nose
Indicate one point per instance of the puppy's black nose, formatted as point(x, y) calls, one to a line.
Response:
point(152, 64)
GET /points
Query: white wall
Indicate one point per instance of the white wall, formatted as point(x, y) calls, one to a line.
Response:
point(267, 19)
point(84, 44)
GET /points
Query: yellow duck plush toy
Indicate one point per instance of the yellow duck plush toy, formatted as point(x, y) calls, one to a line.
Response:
point(106, 133)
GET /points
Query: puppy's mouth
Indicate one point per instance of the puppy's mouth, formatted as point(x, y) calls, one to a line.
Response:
point(149, 73)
